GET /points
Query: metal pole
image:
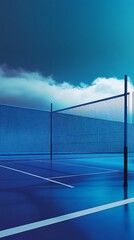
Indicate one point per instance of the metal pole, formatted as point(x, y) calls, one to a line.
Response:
point(125, 135)
point(133, 107)
point(51, 132)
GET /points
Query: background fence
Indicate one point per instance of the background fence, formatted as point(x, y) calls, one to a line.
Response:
point(24, 131)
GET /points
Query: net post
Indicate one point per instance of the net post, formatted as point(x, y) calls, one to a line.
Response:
point(51, 132)
point(133, 107)
point(125, 135)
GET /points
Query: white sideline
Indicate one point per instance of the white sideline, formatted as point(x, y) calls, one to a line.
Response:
point(37, 176)
point(62, 218)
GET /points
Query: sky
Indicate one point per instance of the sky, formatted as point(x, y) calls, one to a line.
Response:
point(64, 51)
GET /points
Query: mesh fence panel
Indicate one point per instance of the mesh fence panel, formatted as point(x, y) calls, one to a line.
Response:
point(96, 127)
point(24, 131)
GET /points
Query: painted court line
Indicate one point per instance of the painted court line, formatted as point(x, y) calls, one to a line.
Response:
point(62, 218)
point(33, 175)
point(131, 172)
point(83, 174)
point(85, 166)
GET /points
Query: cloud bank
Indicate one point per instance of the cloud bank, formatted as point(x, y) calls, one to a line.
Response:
point(31, 89)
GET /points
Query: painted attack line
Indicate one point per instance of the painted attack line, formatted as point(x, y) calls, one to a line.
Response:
point(40, 177)
point(62, 218)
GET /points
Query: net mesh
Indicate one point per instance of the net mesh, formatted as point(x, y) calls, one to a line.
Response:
point(96, 127)
point(131, 124)
point(24, 131)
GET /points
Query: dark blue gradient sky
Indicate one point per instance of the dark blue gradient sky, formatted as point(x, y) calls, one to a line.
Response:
point(72, 40)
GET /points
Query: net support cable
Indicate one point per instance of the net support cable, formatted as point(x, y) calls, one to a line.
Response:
point(89, 103)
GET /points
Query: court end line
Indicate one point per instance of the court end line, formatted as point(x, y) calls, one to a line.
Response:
point(62, 218)
point(84, 174)
point(85, 166)
point(34, 175)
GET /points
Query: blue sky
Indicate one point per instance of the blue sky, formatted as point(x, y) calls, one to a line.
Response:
point(73, 42)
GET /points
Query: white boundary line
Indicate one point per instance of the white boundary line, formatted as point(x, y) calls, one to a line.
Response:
point(62, 218)
point(83, 174)
point(37, 176)
point(130, 172)
point(75, 165)
point(85, 166)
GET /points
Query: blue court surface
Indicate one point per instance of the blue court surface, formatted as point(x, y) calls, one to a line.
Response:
point(79, 197)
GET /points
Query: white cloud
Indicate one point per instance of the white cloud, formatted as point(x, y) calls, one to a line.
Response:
point(31, 89)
